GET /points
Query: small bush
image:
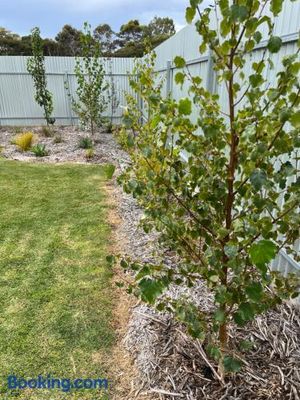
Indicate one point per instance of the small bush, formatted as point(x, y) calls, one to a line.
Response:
point(40, 150)
point(57, 139)
point(24, 141)
point(89, 153)
point(109, 170)
point(18, 130)
point(109, 127)
point(47, 131)
point(85, 143)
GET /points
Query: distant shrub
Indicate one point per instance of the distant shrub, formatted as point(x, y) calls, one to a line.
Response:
point(85, 143)
point(109, 170)
point(89, 153)
point(57, 138)
point(47, 131)
point(24, 141)
point(109, 127)
point(18, 130)
point(40, 150)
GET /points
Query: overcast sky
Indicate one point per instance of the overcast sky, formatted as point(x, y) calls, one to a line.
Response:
point(50, 15)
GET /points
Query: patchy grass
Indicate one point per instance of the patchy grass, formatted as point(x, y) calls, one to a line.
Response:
point(56, 295)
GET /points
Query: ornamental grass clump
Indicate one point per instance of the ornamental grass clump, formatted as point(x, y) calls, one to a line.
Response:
point(24, 141)
point(39, 150)
point(89, 153)
point(85, 143)
point(210, 184)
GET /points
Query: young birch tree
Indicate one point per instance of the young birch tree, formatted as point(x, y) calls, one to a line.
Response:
point(91, 86)
point(222, 188)
point(36, 67)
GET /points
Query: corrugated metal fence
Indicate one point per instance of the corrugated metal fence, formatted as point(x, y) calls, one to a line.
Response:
point(17, 104)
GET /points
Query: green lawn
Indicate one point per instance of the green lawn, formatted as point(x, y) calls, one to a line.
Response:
point(55, 290)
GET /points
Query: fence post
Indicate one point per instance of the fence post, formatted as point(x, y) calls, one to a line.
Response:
point(169, 79)
point(140, 102)
point(210, 79)
point(67, 96)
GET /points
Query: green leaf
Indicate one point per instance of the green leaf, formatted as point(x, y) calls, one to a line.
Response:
point(214, 278)
point(258, 179)
point(246, 345)
point(257, 36)
point(128, 121)
point(262, 252)
point(185, 106)
point(179, 78)
point(195, 3)
point(124, 263)
point(276, 6)
point(256, 80)
point(295, 119)
point(238, 12)
point(225, 27)
point(190, 14)
point(130, 141)
point(214, 352)
point(247, 311)
point(150, 290)
point(220, 316)
point(254, 291)
point(231, 251)
point(202, 47)
point(232, 364)
point(110, 259)
point(179, 62)
point(109, 170)
point(274, 44)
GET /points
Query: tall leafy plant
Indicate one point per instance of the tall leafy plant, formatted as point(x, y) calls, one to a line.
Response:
point(222, 184)
point(91, 86)
point(36, 67)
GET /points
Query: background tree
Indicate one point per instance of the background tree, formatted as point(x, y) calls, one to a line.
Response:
point(104, 34)
point(51, 47)
point(68, 41)
point(36, 67)
point(91, 86)
point(130, 40)
point(221, 210)
point(10, 43)
point(159, 29)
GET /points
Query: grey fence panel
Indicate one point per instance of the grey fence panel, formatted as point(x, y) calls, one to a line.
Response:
point(17, 105)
